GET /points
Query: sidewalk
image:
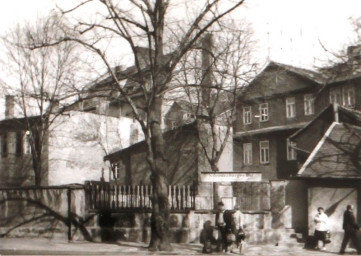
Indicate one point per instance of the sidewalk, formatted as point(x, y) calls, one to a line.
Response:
point(27, 246)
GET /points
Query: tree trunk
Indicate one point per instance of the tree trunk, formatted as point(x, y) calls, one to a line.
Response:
point(160, 206)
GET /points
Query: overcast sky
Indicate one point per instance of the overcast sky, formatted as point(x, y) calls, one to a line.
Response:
point(289, 31)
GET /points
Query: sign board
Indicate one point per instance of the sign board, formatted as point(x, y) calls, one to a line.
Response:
point(230, 176)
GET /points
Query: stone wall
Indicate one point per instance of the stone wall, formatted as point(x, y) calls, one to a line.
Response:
point(35, 212)
point(184, 227)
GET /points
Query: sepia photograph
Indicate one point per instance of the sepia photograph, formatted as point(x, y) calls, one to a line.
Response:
point(180, 127)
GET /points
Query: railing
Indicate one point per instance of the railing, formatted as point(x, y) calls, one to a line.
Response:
point(253, 196)
point(107, 196)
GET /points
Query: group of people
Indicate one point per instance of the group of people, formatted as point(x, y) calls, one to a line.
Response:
point(350, 227)
point(227, 235)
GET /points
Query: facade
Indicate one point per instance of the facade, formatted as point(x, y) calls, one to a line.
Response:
point(330, 154)
point(280, 102)
point(73, 151)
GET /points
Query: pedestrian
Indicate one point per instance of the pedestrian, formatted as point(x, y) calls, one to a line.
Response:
point(350, 227)
point(239, 232)
point(221, 226)
point(321, 228)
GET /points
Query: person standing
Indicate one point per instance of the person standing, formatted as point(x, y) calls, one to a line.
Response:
point(350, 227)
point(240, 235)
point(221, 226)
point(321, 221)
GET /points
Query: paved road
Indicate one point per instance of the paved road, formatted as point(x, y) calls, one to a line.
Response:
point(19, 246)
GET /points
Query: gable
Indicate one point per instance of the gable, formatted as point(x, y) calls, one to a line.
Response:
point(337, 155)
point(276, 79)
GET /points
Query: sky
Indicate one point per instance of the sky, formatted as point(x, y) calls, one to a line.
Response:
point(288, 31)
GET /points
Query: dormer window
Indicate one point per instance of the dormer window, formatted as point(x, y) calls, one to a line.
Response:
point(187, 116)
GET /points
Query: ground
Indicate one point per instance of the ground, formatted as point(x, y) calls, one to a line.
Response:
point(20, 246)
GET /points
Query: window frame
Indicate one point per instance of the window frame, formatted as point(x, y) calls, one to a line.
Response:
point(335, 93)
point(247, 115)
point(346, 99)
point(264, 152)
point(290, 107)
point(263, 117)
point(291, 152)
point(4, 145)
point(309, 104)
point(247, 153)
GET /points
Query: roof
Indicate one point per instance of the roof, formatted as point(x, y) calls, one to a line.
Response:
point(344, 115)
point(120, 153)
point(269, 129)
point(337, 155)
point(278, 79)
point(16, 122)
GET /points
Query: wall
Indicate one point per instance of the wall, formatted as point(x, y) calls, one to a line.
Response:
point(79, 141)
point(333, 197)
point(180, 152)
point(225, 162)
point(297, 87)
point(41, 212)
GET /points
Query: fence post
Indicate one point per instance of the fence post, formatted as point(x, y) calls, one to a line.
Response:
point(69, 214)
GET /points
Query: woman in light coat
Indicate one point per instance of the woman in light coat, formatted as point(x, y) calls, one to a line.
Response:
point(321, 228)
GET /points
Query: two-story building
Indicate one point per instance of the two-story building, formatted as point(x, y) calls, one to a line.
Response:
point(281, 100)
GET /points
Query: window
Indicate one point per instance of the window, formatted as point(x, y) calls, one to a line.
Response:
point(27, 145)
point(264, 152)
point(348, 96)
point(173, 124)
point(116, 170)
point(291, 152)
point(290, 107)
point(4, 145)
point(19, 144)
point(309, 103)
point(247, 115)
point(263, 111)
point(247, 153)
point(335, 95)
point(187, 116)
point(11, 138)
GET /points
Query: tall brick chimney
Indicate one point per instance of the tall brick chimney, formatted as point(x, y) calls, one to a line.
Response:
point(354, 58)
point(9, 106)
point(207, 48)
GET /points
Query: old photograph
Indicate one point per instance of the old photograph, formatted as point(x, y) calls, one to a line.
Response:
point(180, 127)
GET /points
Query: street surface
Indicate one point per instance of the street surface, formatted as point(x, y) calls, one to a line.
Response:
point(27, 246)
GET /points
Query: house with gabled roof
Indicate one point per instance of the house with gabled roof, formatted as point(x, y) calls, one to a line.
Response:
point(329, 150)
point(277, 104)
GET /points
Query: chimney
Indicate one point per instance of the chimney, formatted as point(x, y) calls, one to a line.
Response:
point(207, 48)
point(9, 106)
point(142, 54)
point(354, 58)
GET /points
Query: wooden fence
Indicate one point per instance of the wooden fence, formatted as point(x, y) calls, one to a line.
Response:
point(117, 198)
point(253, 196)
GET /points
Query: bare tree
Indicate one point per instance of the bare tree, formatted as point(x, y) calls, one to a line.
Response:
point(152, 24)
point(40, 80)
point(211, 77)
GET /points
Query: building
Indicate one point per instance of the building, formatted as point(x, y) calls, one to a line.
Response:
point(72, 149)
point(279, 102)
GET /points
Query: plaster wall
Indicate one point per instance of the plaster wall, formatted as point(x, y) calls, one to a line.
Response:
point(334, 201)
point(79, 141)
